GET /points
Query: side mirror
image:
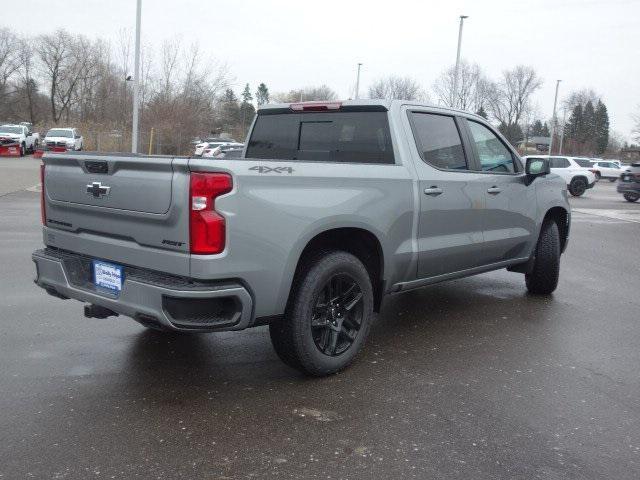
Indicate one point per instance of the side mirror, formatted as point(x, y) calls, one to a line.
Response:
point(537, 166)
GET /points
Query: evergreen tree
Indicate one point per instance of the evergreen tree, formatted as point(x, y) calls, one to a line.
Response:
point(230, 110)
point(512, 132)
point(262, 94)
point(601, 127)
point(481, 111)
point(536, 129)
point(574, 125)
point(545, 130)
point(246, 94)
point(588, 131)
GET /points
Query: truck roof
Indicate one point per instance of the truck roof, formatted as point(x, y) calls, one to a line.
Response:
point(384, 103)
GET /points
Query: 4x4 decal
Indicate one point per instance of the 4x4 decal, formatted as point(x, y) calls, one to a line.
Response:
point(265, 169)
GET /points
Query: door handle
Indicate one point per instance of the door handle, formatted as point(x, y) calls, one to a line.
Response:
point(432, 191)
point(494, 190)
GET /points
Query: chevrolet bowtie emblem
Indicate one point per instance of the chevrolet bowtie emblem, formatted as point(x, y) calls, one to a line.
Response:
point(96, 190)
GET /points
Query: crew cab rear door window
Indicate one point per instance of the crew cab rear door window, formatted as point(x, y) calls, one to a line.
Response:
point(559, 162)
point(350, 137)
point(438, 140)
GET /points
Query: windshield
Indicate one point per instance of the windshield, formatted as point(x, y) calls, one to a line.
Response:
point(10, 129)
point(57, 132)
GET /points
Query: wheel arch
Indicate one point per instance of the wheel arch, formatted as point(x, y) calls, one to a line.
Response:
point(562, 219)
point(360, 242)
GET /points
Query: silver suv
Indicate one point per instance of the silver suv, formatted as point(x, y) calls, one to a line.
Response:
point(332, 207)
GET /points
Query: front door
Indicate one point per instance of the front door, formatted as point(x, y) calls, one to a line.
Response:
point(450, 222)
point(509, 217)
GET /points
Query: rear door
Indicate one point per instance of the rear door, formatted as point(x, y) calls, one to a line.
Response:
point(450, 224)
point(509, 215)
point(130, 209)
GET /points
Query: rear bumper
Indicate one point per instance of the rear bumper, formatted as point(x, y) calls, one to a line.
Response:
point(151, 298)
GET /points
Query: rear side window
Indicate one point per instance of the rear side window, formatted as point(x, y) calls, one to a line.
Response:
point(583, 163)
point(350, 137)
point(438, 140)
point(558, 162)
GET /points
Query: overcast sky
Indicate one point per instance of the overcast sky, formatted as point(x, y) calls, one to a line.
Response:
point(289, 44)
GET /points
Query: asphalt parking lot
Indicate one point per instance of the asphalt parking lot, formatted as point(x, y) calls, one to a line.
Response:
point(469, 379)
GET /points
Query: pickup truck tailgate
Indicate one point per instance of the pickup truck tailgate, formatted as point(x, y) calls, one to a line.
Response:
point(124, 208)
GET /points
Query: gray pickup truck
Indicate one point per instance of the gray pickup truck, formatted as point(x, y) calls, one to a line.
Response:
point(331, 207)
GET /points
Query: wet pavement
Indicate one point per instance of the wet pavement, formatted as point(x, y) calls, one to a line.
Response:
point(468, 379)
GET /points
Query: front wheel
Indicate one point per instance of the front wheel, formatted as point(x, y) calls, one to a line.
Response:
point(329, 316)
point(577, 187)
point(631, 196)
point(543, 277)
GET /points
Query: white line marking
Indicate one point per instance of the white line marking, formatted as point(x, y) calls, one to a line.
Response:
point(625, 215)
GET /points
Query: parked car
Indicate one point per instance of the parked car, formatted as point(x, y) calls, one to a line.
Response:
point(579, 179)
point(334, 206)
point(629, 184)
point(221, 149)
point(200, 147)
point(69, 138)
point(27, 139)
point(606, 169)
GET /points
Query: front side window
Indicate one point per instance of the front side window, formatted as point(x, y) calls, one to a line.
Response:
point(438, 140)
point(493, 154)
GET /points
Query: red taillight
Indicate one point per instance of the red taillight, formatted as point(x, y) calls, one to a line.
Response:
point(315, 106)
point(43, 213)
point(206, 226)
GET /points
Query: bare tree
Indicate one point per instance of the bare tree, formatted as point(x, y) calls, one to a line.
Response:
point(511, 96)
point(9, 65)
point(474, 89)
point(400, 88)
point(636, 126)
point(306, 94)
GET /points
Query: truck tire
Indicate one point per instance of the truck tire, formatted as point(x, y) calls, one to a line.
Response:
point(328, 316)
point(578, 186)
point(543, 277)
point(631, 197)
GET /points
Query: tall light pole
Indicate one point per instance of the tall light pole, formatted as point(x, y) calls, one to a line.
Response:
point(136, 82)
point(457, 71)
point(553, 118)
point(358, 82)
point(564, 123)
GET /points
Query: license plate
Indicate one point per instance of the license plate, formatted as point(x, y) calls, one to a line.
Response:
point(107, 275)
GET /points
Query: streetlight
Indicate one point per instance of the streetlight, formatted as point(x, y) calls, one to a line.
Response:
point(553, 118)
point(136, 82)
point(457, 71)
point(358, 82)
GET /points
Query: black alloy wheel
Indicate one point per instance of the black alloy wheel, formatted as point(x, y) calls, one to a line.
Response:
point(337, 315)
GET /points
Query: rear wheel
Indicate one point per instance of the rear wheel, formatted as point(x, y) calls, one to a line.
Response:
point(631, 196)
point(612, 179)
point(577, 186)
point(329, 315)
point(543, 277)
